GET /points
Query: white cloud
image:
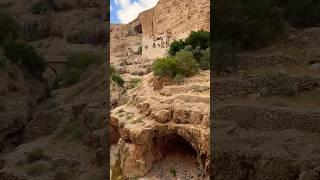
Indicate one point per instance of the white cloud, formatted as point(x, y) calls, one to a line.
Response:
point(129, 10)
point(110, 7)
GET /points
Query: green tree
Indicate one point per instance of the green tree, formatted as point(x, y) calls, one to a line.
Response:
point(199, 38)
point(205, 60)
point(186, 64)
point(165, 67)
point(176, 46)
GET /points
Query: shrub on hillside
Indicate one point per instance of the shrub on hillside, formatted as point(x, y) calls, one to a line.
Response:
point(82, 60)
point(249, 23)
point(186, 64)
point(176, 46)
point(26, 55)
point(76, 64)
point(204, 62)
point(199, 38)
point(9, 28)
point(277, 84)
point(165, 67)
point(224, 57)
point(188, 48)
point(113, 70)
point(183, 63)
point(68, 78)
point(197, 53)
point(178, 79)
point(117, 79)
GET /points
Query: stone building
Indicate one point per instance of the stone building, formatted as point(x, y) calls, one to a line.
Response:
point(157, 46)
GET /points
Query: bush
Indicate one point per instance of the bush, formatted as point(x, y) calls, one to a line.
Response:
point(176, 46)
point(178, 79)
point(165, 67)
point(204, 62)
point(82, 60)
point(304, 13)
point(26, 55)
point(186, 64)
point(188, 48)
point(197, 53)
point(199, 38)
point(224, 57)
point(277, 84)
point(117, 79)
point(68, 78)
point(183, 63)
point(35, 155)
point(9, 28)
point(76, 64)
point(134, 82)
point(113, 70)
point(249, 23)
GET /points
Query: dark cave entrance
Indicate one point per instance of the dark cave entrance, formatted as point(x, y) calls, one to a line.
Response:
point(174, 153)
point(174, 144)
point(138, 29)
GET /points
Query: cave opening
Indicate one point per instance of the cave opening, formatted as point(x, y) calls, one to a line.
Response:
point(175, 155)
point(175, 144)
point(138, 29)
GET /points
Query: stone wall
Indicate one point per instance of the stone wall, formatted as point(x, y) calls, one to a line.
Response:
point(250, 61)
point(269, 118)
point(232, 88)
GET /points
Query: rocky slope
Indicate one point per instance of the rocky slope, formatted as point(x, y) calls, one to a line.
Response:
point(56, 134)
point(259, 137)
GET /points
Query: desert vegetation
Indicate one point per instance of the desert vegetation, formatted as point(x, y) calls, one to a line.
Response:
point(186, 57)
point(77, 63)
point(18, 52)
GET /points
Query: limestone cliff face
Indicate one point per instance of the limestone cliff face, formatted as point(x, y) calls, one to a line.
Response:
point(176, 16)
point(170, 20)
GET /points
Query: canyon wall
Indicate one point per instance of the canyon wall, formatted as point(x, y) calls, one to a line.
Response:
point(170, 20)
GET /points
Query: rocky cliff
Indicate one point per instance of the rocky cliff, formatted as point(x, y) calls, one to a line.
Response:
point(176, 16)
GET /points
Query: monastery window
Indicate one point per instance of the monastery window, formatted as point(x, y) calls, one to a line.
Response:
point(154, 45)
point(146, 46)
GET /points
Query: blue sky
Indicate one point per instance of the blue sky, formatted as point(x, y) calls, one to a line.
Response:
point(124, 11)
